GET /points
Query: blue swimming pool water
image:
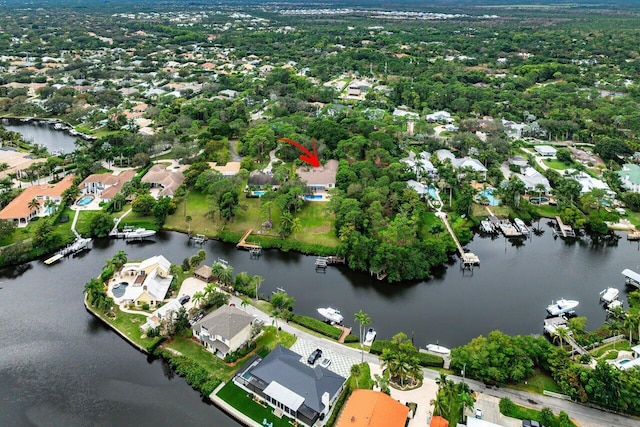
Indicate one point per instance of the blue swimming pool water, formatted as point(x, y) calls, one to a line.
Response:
point(488, 193)
point(119, 291)
point(432, 193)
point(50, 210)
point(259, 193)
point(84, 201)
point(624, 361)
point(313, 197)
point(538, 200)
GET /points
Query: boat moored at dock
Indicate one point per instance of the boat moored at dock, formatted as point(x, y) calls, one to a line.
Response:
point(435, 348)
point(562, 306)
point(331, 314)
point(609, 295)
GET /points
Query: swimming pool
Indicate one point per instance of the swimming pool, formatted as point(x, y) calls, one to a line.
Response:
point(624, 361)
point(538, 200)
point(312, 197)
point(50, 210)
point(432, 193)
point(488, 194)
point(119, 291)
point(258, 193)
point(85, 200)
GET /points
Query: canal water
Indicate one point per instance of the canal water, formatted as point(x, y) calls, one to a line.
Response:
point(59, 366)
point(42, 133)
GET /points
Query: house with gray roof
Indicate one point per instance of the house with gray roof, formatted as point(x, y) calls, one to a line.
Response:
point(532, 178)
point(630, 177)
point(284, 381)
point(463, 163)
point(224, 330)
point(320, 178)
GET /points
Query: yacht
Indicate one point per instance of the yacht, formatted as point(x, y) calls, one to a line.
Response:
point(370, 335)
point(521, 226)
point(562, 306)
point(331, 314)
point(609, 295)
point(139, 233)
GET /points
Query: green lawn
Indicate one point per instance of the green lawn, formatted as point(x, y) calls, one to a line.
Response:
point(240, 400)
point(129, 325)
point(557, 164)
point(524, 413)
point(196, 352)
point(538, 383)
point(84, 220)
point(617, 346)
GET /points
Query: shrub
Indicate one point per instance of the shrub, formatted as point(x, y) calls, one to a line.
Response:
point(351, 338)
point(196, 376)
point(426, 359)
point(145, 306)
point(317, 326)
point(239, 353)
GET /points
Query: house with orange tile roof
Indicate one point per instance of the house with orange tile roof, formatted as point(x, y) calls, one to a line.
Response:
point(438, 421)
point(164, 182)
point(368, 408)
point(105, 185)
point(19, 211)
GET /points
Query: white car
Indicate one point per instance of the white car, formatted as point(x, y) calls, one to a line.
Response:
point(479, 413)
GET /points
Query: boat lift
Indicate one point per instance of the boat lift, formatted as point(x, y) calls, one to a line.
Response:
point(631, 277)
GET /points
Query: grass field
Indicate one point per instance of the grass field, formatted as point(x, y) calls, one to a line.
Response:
point(240, 400)
point(556, 164)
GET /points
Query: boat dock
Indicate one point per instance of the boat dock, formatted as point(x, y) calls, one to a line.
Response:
point(508, 229)
point(117, 234)
point(631, 277)
point(633, 235)
point(468, 259)
point(79, 245)
point(565, 230)
point(243, 244)
point(198, 238)
point(324, 261)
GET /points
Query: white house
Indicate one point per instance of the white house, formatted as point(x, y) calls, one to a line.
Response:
point(420, 164)
point(148, 282)
point(589, 183)
point(440, 117)
point(532, 178)
point(224, 330)
point(463, 163)
point(545, 150)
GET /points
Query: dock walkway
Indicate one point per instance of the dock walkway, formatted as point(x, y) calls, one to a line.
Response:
point(565, 230)
point(468, 259)
point(243, 244)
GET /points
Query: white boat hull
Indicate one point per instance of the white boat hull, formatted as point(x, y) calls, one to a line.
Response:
point(434, 348)
point(562, 306)
point(331, 314)
point(609, 295)
point(370, 335)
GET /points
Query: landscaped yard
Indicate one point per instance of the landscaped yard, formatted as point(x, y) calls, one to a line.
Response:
point(538, 383)
point(557, 164)
point(196, 352)
point(240, 400)
point(129, 325)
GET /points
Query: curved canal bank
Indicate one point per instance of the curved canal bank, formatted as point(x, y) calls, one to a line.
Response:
point(60, 365)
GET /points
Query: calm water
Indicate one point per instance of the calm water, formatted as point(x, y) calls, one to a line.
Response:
point(43, 133)
point(59, 366)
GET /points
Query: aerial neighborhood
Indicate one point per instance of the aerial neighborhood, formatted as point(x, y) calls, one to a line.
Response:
point(381, 141)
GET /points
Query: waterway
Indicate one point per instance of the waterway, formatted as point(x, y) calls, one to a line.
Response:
point(43, 133)
point(60, 366)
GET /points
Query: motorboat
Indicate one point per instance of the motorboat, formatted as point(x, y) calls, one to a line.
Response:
point(435, 348)
point(331, 314)
point(521, 226)
point(562, 306)
point(609, 295)
point(370, 335)
point(613, 305)
point(139, 233)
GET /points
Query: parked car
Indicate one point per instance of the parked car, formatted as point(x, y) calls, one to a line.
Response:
point(531, 423)
point(199, 315)
point(479, 413)
point(314, 356)
point(325, 362)
point(184, 299)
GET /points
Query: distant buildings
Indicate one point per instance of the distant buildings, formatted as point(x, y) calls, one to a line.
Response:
point(545, 150)
point(630, 177)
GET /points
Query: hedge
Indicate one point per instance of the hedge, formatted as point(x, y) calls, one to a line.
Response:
point(196, 376)
point(426, 359)
point(351, 338)
point(317, 326)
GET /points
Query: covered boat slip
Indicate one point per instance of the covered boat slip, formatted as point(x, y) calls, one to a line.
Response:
point(632, 278)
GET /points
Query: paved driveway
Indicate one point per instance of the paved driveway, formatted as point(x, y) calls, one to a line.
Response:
point(189, 287)
point(340, 364)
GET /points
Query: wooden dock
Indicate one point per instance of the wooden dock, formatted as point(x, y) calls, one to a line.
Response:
point(198, 238)
point(243, 244)
point(508, 229)
point(565, 230)
point(468, 259)
point(345, 332)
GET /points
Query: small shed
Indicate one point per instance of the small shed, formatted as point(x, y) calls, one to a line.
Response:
point(204, 273)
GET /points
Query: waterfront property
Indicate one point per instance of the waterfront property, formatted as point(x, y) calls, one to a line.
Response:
point(284, 381)
point(322, 178)
point(105, 185)
point(20, 210)
point(630, 177)
point(224, 330)
point(485, 197)
point(148, 282)
point(372, 408)
point(627, 360)
point(164, 182)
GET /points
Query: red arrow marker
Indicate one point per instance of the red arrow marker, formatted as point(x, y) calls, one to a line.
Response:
point(307, 157)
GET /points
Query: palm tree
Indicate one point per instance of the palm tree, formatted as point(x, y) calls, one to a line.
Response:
point(209, 290)
point(257, 281)
point(364, 320)
point(34, 205)
point(561, 333)
point(226, 276)
point(244, 303)
point(355, 373)
point(217, 268)
point(198, 297)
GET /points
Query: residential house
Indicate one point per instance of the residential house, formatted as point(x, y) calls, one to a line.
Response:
point(167, 311)
point(634, 361)
point(403, 111)
point(229, 93)
point(589, 183)
point(284, 381)
point(440, 117)
point(545, 150)
point(420, 164)
point(261, 180)
point(532, 178)
point(321, 178)
point(418, 187)
point(630, 177)
point(148, 281)
point(438, 421)
point(368, 408)
point(463, 163)
point(19, 211)
point(518, 161)
point(224, 330)
point(164, 182)
point(105, 185)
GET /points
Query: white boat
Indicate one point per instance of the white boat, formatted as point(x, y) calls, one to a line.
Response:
point(435, 348)
point(521, 226)
point(139, 233)
point(609, 295)
point(370, 335)
point(614, 305)
point(331, 314)
point(562, 306)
